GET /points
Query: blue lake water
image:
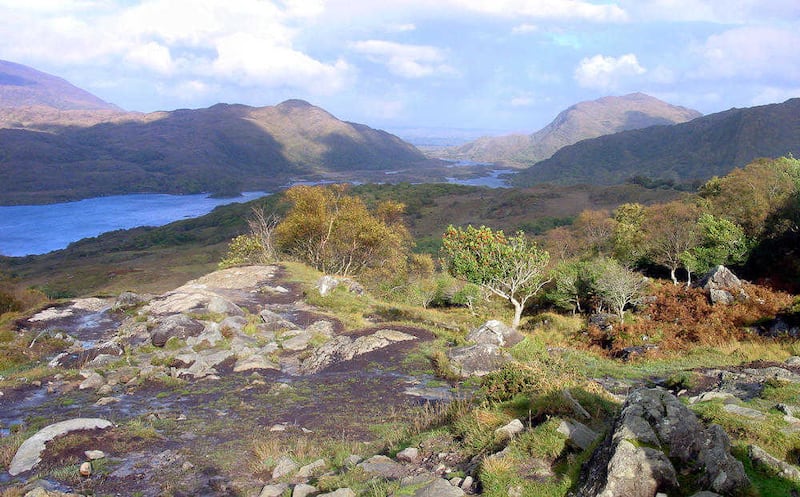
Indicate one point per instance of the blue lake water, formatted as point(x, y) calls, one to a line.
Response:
point(38, 229)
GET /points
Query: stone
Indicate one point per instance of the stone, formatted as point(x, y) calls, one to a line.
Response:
point(409, 454)
point(712, 395)
point(256, 361)
point(94, 455)
point(578, 435)
point(497, 333)
point(439, 488)
point(29, 453)
point(382, 466)
point(515, 491)
point(177, 325)
point(129, 300)
point(327, 284)
point(342, 492)
point(297, 343)
point(793, 361)
point(343, 348)
point(477, 360)
point(311, 469)
point(93, 382)
point(274, 322)
point(722, 286)
point(743, 411)
point(514, 427)
point(275, 490)
point(85, 469)
point(303, 490)
point(284, 467)
point(352, 460)
point(104, 401)
point(466, 485)
point(781, 468)
point(631, 461)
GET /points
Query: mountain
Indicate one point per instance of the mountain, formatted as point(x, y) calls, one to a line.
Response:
point(22, 86)
point(223, 149)
point(694, 151)
point(584, 120)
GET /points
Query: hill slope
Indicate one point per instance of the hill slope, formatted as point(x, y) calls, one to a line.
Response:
point(584, 120)
point(22, 86)
point(708, 146)
point(223, 149)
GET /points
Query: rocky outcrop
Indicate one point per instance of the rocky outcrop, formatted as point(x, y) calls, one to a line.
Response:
point(344, 348)
point(633, 462)
point(29, 453)
point(722, 285)
point(496, 333)
point(177, 326)
point(477, 360)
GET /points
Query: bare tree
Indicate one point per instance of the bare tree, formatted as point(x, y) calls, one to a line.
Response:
point(619, 287)
point(262, 227)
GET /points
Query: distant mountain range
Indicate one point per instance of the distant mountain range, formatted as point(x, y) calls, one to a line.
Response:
point(59, 143)
point(583, 120)
point(694, 151)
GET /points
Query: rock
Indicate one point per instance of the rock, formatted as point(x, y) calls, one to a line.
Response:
point(706, 493)
point(177, 325)
point(343, 348)
point(515, 491)
point(496, 333)
point(477, 360)
point(93, 382)
point(274, 322)
point(603, 321)
point(722, 286)
point(41, 492)
point(793, 361)
point(382, 466)
point(712, 395)
point(782, 328)
point(275, 490)
point(29, 453)
point(311, 469)
point(466, 485)
point(257, 361)
point(298, 342)
point(577, 408)
point(352, 460)
point(743, 411)
point(94, 455)
point(104, 401)
point(210, 337)
point(285, 466)
point(781, 468)
point(409, 454)
point(631, 461)
point(512, 428)
point(220, 305)
point(232, 325)
point(303, 490)
point(327, 284)
point(439, 488)
point(578, 435)
point(342, 492)
point(129, 300)
point(85, 469)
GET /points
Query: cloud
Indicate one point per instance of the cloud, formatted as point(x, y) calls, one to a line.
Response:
point(546, 9)
point(407, 61)
point(770, 95)
point(524, 28)
point(605, 72)
point(151, 56)
point(718, 11)
point(751, 52)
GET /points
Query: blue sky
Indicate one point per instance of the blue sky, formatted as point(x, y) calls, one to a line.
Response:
point(502, 65)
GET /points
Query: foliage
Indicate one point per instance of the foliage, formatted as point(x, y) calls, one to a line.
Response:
point(671, 230)
point(629, 240)
point(618, 287)
point(335, 233)
point(720, 242)
point(510, 267)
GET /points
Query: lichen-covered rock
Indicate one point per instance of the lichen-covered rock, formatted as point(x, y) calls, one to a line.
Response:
point(722, 286)
point(176, 325)
point(343, 348)
point(477, 360)
point(632, 461)
point(495, 332)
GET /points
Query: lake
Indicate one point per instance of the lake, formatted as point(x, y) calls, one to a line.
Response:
point(38, 229)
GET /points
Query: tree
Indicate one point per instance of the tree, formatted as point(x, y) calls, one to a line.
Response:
point(595, 230)
point(255, 247)
point(720, 242)
point(670, 230)
point(512, 267)
point(618, 286)
point(629, 240)
point(336, 234)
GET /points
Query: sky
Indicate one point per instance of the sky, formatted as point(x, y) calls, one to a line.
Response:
point(491, 65)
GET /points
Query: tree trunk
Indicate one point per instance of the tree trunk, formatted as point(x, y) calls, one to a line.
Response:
point(672, 275)
point(518, 308)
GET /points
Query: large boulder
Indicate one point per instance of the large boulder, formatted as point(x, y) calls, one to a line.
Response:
point(477, 360)
point(722, 285)
point(495, 332)
point(343, 348)
point(633, 462)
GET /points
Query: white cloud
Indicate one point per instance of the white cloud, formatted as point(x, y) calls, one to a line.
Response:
point(771, 95)
point(253, 60)
point(408, 61)
point(402, 28)
point(605, 72)
point(152, 56)
point(751, 52)
point(719, 11)
point(524, 28)
point(546, 9)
